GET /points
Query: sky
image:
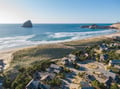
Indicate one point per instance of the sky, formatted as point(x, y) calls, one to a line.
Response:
point(60, 11)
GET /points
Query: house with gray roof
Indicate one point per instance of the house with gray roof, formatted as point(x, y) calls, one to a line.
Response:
point(66, 61)
point(85, 85)
point(116, 38)
point(89, 78)
point(1, 82)
point(103, 47)
point(35, 84)
point(103, 57)
point(108, 82)
point(36, 75)
point(1, 65)
point(73, 58)
point(47, 77)
point(69, 60)
point(37, 81)
point(54, 68)
point(114, 62)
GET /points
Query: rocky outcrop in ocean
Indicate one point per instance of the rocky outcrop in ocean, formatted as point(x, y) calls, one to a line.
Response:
point(116, 25)
point(95, 26)
point(27, 24)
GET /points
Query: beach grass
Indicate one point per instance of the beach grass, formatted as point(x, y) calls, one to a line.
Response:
point(27, 56)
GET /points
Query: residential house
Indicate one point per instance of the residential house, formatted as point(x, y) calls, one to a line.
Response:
point(38, 80)
point(89, 78)
point(116, 38)
point(45, 74)
point(114, 62)
point(35, 84)
point(103, 57)
point(117, 79)
point(102, 76)
point(66, 61)
point(109, 74)
point(73, 58)
point(54, 68)
point(48, 77)
point(85, 85)
point(103, 47)
point(114, 44)
point(1, 65)
point(36, 76)
point(1, 83)
point(69, 60)
point(108, 82)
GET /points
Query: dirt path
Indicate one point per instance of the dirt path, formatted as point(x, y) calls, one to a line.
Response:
point(6, 56)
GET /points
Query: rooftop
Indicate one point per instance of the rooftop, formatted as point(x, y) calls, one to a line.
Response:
point(115, 61)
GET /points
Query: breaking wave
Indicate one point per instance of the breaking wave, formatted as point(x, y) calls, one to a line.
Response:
point(80, 35)
point(21, 41)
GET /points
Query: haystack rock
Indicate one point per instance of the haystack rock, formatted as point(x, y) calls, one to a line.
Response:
point(27, 24)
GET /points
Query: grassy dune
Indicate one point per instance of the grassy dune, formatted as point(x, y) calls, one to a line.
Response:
point(27, 56)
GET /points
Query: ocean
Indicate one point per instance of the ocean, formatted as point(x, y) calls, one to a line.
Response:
point(14, 36)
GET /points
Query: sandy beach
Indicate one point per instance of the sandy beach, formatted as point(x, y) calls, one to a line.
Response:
point(6, 55)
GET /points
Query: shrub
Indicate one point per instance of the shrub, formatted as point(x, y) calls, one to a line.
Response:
point(98, 85)
point(114, 86)
point(81, 74)
point(21, 81)
point(61, 75)
point(55, 82)
point(66, 70)
point(76, 66)
point(7, 82)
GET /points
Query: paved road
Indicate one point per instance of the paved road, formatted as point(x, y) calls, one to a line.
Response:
point(70, 76)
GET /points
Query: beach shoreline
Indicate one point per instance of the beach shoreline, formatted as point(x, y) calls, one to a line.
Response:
point(6, 55)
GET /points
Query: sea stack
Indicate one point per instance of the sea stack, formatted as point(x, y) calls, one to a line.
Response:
point(27, 24)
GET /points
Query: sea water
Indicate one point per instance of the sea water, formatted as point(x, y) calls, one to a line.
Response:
point(13, 35)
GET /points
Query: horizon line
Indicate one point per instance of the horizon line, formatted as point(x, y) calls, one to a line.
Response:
point(65, 23)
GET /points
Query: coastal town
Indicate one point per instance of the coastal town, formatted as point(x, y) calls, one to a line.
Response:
point(93, 67)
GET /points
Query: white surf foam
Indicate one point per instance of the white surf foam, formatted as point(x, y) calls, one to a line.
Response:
point(20, 41)
point(8, 42)
point(79, 34)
